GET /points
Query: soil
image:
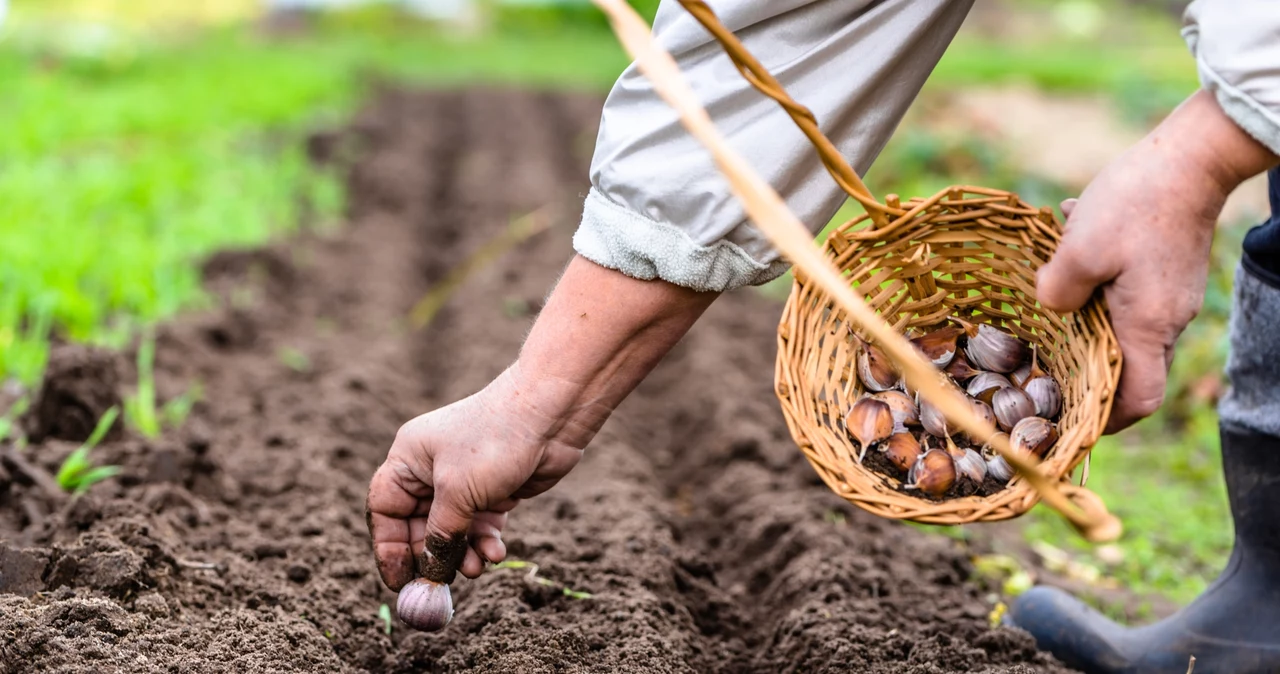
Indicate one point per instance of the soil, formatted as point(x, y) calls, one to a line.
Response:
point(694, 537)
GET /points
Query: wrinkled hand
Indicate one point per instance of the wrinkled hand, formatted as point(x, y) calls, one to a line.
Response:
point(457, 471)
point(1142, 231)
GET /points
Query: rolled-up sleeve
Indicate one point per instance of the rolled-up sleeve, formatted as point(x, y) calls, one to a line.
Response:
point(659, 208)
point(1237, 48)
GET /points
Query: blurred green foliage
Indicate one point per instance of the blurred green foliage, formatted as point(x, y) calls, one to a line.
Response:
point(123, 161)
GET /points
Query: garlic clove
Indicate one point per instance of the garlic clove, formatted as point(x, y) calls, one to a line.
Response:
point(986, 448)
point(932, 419)
point(985, 384)
point(869, 422)
point(939, 346)
point(999, 469)
point(1046, 395)
point(984, 412)
point(1027, 371)
point(959, 368)
point(993, 349)
point(1033, 435)
point(933, 473)
point(902, 450)
point(875, 370)
point(969, 464)
point(904, 409)
point(1012, 405)
point(1020, 375)
point(424, 605)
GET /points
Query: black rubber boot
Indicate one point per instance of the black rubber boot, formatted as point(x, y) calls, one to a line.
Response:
point(1233, 628)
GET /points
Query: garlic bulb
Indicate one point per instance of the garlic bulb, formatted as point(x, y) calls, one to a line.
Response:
point(933, 473)
point(875, 370)
point(902, 450)
point(1021, 375)
point(1012, 405)
point(424, 605)
point(1033, 435)
point(1046, 394)
point(905, 412)
point(969, 464)
point(999, 469)
point(959, 368)
point(985, 384)
point(938, 347)
point(869, 422)
point(993, 349)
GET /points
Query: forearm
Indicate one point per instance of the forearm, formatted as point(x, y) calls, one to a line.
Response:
point(1200, 137)
point(598, 336)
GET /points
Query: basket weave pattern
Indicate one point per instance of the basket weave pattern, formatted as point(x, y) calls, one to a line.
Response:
point(966, 251)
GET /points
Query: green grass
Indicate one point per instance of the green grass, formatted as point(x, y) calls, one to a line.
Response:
point(121, 168)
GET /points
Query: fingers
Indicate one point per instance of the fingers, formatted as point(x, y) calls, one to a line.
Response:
point(1147, 355)
point(1080, 265)
point(1068, 205)
point(387, 508)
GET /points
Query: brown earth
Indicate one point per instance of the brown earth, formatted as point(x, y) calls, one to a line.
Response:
point(237, 544)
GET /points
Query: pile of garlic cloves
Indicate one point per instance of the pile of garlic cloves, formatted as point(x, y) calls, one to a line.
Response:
point(900, 434)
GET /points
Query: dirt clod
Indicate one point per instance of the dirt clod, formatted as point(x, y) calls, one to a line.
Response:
point(80, 384)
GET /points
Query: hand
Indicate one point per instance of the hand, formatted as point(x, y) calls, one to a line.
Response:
point(1142, 231)
point(452, 475)
point(458, 471)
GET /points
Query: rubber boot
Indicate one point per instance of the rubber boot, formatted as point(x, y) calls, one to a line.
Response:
point(1233, 628)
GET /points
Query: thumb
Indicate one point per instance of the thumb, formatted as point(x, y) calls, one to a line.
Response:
point(1076, 270)
point(445, 544)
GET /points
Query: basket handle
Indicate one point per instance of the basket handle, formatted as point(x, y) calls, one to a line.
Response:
point(764, 82)
point(771, 216)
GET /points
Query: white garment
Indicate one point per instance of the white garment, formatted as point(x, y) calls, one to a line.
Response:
point(658, 207)
point(1237, 48)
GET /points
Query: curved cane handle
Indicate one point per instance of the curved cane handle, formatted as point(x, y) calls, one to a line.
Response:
point(764, 82)
point(784, 230)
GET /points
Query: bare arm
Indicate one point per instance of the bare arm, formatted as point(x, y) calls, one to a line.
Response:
point(456, 471)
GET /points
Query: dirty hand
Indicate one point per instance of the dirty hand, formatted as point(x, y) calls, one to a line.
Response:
point(461, 468)
point(453, 474)
point(1142, 231)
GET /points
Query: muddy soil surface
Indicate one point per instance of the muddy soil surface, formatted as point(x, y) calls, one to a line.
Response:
point(237, 543)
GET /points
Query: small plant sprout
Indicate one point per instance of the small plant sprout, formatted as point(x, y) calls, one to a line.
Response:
point(533, 576)
point(384, 612)
point(8, 421)
point(140, 409)
point(77, 473)
point(294, 359)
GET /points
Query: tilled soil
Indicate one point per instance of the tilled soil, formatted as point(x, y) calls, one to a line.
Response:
point(693, 537)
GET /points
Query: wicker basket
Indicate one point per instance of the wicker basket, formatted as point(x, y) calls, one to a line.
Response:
point(966, 251)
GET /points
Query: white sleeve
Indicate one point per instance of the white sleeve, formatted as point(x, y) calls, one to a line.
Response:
point(659, 208)
point(1237, 48)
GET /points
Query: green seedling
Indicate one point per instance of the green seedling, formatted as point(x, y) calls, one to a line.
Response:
point(384, 612)
point(9, 421)
point(533, 576)
point(77, 473)
point(140, 408)
point(141, 411)
point(294, 359)
point(175, 412)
